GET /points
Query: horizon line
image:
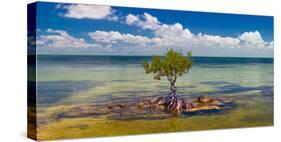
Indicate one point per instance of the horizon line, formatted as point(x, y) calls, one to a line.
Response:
point(146, 55)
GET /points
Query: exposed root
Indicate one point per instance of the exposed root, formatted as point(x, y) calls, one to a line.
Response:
point(173, 103)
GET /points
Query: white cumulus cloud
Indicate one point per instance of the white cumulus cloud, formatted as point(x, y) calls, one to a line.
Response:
point(252, 39)
point(61, 39)
point(178, 36)
point(80, 11)
point(130, 19)
point(125, 40)
point(114, 37)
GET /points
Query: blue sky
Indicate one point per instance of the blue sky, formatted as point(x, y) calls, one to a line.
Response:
point(105, 30)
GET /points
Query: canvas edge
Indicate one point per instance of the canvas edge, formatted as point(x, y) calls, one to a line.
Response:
point(31, 71)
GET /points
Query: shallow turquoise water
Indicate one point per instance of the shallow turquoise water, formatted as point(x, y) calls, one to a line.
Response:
point(64, 82)
point(92, 78)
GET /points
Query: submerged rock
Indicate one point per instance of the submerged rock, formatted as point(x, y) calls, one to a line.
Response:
point(189, 106)
point(205, 104)
point(143, 105)
point(204, 99)
point(84, 111)
point(203, 108)
point(148, 107)
point(122, 105)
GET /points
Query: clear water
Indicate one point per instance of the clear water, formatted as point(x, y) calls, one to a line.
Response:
point(77, 80)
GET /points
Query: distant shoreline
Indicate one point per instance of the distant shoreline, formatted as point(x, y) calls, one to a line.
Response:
point(149, 56)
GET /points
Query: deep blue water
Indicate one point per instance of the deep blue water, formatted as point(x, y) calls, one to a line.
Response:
point(109, 60)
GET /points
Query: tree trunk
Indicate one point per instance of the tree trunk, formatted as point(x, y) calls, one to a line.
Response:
point(173, 88)
point(174, 102)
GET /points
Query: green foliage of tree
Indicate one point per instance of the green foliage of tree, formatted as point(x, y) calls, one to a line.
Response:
point(173, 65)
